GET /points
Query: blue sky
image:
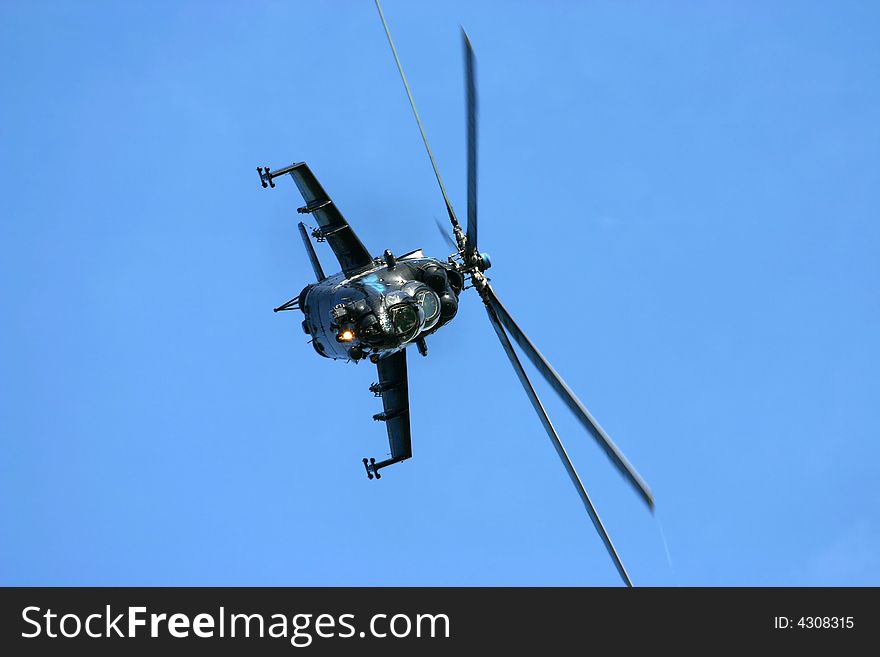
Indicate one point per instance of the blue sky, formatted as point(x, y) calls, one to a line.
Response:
point(681, 203)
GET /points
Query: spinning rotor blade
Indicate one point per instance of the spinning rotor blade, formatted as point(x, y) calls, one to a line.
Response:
point(582, 414)
point(446, 239)
point(471, 87)
point(557, 443)
point(412, 103)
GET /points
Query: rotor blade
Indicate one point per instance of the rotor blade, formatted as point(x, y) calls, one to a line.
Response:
point(582, 414)
point(446, 237)
point(412, 103)
point(471, 86)
point(557, 443)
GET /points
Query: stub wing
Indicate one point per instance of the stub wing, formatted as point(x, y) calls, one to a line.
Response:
point(352, 255)
point(393, 387)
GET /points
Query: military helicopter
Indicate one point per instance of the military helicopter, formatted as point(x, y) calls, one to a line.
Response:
point(376, 307)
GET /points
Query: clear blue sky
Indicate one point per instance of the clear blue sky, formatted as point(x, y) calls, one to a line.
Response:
point(696, 184)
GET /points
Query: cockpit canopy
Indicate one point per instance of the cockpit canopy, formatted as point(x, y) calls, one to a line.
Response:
point(415, 308)
point(383, 319)
point(407, 319)
point(430, 304)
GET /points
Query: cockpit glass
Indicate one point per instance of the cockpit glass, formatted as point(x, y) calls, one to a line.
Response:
point(430, 304)
point(405, 319)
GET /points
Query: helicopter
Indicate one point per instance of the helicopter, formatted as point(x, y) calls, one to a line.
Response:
point(376, 307)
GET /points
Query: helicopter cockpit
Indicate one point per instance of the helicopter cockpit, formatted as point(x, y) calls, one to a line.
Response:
point(407, 319)
point(381, 311)
point(399, 316)
point(413, 310)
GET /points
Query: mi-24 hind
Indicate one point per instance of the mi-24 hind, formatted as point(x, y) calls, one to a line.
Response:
point(378, 306)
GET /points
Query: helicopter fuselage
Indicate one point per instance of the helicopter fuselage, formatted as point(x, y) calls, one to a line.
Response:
point(382, 309)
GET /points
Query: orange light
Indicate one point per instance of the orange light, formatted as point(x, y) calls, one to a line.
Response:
point(346, 336)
